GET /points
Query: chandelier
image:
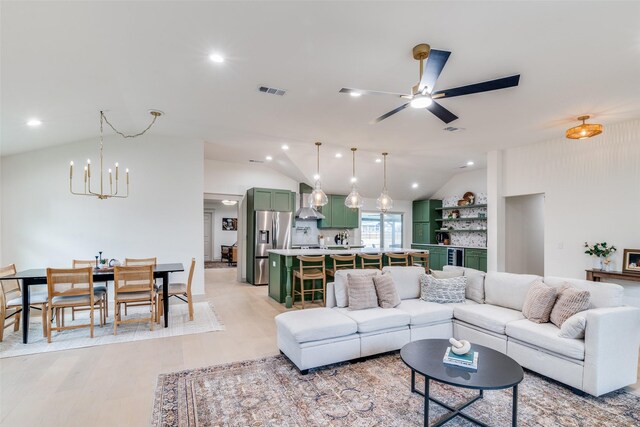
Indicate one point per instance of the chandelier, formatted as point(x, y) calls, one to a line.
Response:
point(585, 130)
point(354, 199)
point(101, 194)
point(384, 202)
point(318, 197)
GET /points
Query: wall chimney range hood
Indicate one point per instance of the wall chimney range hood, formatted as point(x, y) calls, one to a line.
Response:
point(306, 211)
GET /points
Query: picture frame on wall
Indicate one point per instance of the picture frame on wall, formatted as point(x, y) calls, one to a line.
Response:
point(229, 224)
point(631, 261)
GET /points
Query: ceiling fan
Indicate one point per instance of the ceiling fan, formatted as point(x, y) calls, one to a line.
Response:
point(422, 94)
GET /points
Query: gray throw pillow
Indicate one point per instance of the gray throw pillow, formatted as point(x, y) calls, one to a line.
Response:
point(570, 301)
point(539, 302)
point(386, 289)
point(443, 291)
point(361, 291)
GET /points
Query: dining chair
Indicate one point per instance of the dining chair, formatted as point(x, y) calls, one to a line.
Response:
point(11, 302)
point(177, 290)
point(311, 268)
point(371, 261)
point(100, 290)
point(398, 259)
point(71, 287)
point(341, 262)
point(132, 262)
point(133, 284)
point(420, 259)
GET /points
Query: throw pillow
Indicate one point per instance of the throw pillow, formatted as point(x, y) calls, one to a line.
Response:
point(570, 301)
point(340, 285)
point(440, 274)
point(574, 326)
point(539, 302)
point(443, 291)
point(386, 289)
point(361, 291)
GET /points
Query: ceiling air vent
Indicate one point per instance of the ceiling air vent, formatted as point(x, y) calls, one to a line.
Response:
point(272, 90)
point(255, 161)
point(452, 129)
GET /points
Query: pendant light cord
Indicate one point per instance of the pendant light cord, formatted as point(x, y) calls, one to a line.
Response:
point(153, 113)
point(318, 144)
point(353, 153)
point(385, 170)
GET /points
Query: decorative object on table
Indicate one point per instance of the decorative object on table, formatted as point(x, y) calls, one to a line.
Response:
point(631, 261)
point(467, 360)
point(354, 200)
point(384, 202)
point(229, 224)
point(317, 197)
point(341, 238)
point(469, 197)
point(97, 256)
point(584, 130)
point(114, 262)
point(101, 192)
point(602, 252)
point(459, 347)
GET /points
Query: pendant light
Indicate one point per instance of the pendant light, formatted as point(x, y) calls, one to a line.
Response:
point(354, 199)
point(384, 202)
point(317, 197)
point(584, 130)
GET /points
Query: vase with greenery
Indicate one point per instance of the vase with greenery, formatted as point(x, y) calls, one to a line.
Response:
point(602, 252)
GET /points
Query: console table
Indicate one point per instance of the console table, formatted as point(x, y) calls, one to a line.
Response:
point(598, 275)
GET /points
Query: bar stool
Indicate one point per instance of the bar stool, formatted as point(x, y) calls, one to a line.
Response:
point(311, 268)
point(400, 259)
point(420, 259)
point(341, 262)
point(371, 261)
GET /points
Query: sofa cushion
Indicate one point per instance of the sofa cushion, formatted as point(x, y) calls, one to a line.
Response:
point(340, 284)
point(475, 282)
point(386, 290)
point(376, 319)
point(602, 294)
point(539, 303)
point(423, 312)
point(361, 292)
point(315, 324)
point(545, 335)
point(407, 280)
point(570, 301)
point(490, 317)
point(448, 274)
point(443, 291)
point(507, 289)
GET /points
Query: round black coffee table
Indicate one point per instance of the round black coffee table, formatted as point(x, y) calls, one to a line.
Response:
point(495, 371)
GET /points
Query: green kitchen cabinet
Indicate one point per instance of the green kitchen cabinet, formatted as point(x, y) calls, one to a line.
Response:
point(282, 200)
point(425, 210)
point(337, 215)
point(262, 199)
point(421, 232)
point(437, 257)
point(475, 258)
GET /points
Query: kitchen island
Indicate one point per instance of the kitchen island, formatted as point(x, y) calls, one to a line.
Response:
point(282, 262)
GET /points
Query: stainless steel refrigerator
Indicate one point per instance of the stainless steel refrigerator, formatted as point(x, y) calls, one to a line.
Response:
point(273, 231)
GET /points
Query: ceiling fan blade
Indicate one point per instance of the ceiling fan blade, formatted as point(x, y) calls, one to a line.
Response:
point(435, 63)
point(371, 92)
point(442, 113)
point(391, 113)
point(502, 83)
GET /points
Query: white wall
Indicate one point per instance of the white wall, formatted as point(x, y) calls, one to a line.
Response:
point(45, 226)
point(524, 234)
point(236, 178)
point(591, 194)
point(474, 180)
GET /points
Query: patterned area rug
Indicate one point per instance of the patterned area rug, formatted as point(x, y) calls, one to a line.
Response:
point(376, 392)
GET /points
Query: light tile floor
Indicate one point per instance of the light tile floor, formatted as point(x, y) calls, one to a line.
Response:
point(113, 385)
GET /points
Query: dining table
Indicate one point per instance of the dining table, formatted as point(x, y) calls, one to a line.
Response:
point(38, 276)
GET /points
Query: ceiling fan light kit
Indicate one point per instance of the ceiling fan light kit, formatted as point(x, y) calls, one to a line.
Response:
point(585, 130)
point(384, 203)
point(354, 200)
point(318, 197)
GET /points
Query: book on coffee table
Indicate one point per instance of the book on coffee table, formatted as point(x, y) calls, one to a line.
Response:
point(468, 360)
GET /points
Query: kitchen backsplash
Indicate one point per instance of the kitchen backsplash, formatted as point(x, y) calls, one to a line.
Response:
point(475, 239)
point(306, 232)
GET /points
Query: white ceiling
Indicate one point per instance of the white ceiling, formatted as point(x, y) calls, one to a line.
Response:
point(63, 61)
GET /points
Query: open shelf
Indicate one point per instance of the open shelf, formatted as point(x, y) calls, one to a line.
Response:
point(475, 218)
point(449, 208)
point(444, 230)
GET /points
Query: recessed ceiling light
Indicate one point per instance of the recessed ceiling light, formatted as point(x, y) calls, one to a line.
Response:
point(414, 185)
point(215, 57)
point(34, 122)
point(285, 147)
point(355, 94)
point(229, 202)
point(378, 160)
point(470, 163)
point(338, 155)
point(316, 177)
point(269, 158)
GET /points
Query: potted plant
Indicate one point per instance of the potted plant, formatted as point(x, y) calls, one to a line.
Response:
point(602, 252)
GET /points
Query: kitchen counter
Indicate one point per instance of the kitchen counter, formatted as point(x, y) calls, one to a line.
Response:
point(448, 246)
point(316, 252)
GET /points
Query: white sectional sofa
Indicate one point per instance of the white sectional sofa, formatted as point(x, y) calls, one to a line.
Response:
point(605, 360)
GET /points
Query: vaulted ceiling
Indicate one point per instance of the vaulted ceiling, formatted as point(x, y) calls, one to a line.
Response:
point(64, 61)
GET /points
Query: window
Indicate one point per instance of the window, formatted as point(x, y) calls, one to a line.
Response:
point(381, 230)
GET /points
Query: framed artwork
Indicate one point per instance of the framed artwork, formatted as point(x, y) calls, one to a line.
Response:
point(631, 261)
point(229, 224)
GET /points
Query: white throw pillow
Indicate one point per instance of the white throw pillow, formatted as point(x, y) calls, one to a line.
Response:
point(440, 274)
point(340, 284)
point(574, 327)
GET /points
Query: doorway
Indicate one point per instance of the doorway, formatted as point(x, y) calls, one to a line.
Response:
point(524, 234)
point(220, 233)
point(208, 235)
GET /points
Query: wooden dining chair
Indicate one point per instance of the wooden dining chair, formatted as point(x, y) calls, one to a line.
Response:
point(177, 290)
point(420, 259)
point(311, 268)
point(132, 262)
point(72, 287)
point(11, 302)
point(341, 262)
point(397, 259)
point(100, 290)
point(133, 284)
point(371, 261)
